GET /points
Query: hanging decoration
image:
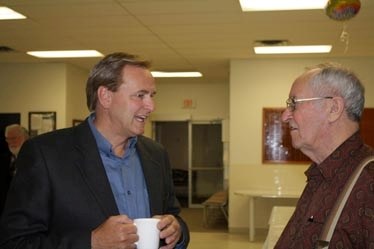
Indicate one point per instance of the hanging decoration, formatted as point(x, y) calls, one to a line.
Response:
point(344, 37)
point(343, 10)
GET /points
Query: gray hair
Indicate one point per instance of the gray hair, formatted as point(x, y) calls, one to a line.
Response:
point(20, 130)
point(335, 80)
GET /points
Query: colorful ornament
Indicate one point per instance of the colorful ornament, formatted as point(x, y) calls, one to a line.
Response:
point(342, 10)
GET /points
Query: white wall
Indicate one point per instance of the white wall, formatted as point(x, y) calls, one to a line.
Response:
point(255, 84)
point(211, 100)
point(61, 88)
point(33, 87)
point(76, 107)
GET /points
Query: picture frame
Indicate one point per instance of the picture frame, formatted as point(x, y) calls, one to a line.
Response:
point(76, 122)
point(277, 142)
point(41, 122)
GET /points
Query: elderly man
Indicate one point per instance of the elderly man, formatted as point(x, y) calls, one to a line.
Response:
point(15, 136)
point(324, 108)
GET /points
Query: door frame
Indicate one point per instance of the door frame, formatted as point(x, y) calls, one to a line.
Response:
point(188, 118)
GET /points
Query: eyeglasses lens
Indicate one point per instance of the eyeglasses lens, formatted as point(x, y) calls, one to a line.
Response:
point(291, 104)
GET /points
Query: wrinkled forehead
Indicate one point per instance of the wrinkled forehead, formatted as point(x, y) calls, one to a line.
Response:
point(131, 73)
point(301, 86)
point(13, 132)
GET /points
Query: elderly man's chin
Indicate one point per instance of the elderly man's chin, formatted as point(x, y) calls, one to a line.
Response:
point(296, 144)
point(14, 151)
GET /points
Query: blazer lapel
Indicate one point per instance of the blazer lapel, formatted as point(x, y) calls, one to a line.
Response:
point(90, 165)
point(152, 174)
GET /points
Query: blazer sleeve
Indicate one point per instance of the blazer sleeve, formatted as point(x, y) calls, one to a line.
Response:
point(60, 193)
point(26, 221)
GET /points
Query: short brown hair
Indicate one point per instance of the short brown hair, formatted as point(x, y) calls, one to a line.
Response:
point(108, 73)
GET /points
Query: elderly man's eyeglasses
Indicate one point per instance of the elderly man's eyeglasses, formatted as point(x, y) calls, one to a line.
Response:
point(292, 101)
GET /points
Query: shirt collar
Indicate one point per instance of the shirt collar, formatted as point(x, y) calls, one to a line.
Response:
point(103, 144)
point(332, 164)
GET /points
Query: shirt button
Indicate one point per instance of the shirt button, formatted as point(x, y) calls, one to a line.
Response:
point(128, 192)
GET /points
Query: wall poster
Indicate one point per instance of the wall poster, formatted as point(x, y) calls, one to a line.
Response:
point(277, 143)
point(41, 122)
point(77, 122)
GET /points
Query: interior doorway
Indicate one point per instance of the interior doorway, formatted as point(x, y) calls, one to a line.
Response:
point(196, 155)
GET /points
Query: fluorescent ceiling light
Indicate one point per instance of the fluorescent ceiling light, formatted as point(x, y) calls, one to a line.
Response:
point(158, 74)
point(292, 49)
point(9, 14)
point(269, 5)
point(65, 54)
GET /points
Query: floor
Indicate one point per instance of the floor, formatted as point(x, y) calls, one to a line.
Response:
point(215, 235)
point(222, 241)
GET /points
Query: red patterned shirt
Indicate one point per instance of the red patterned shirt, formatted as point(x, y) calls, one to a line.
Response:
point(355, 228)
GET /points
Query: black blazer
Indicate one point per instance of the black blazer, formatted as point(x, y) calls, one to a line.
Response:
point(5, 178)
point(61, 192)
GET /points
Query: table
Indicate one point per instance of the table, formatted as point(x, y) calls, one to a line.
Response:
point(252, 194)
point(279, 218)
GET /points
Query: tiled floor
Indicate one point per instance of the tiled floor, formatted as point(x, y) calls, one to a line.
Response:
point(216, 235)
point(201, 240)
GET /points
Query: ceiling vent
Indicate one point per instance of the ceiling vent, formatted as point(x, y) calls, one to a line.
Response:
point(5, 49)
point(272, 42)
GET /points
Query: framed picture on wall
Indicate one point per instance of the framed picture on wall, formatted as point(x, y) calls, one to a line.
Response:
point(277, 143)
point(41, 122)
point(77, 121)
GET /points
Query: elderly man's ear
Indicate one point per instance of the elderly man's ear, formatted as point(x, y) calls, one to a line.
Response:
point(336, 108)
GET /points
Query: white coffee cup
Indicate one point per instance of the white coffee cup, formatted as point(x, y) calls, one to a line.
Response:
point(149, 234)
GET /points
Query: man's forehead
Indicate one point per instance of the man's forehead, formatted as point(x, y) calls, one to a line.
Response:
point(300, 85)
point(13, 131)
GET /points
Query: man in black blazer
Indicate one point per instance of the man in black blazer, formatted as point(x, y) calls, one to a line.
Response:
point(81, 187)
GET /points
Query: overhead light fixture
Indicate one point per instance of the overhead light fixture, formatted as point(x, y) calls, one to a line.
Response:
point(158, 74)
point(65, 54)
point(9, 14)
point(273, 5)
point(292, 49)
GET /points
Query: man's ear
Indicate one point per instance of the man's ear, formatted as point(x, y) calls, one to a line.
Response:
point(336, 108)
point(104, 96)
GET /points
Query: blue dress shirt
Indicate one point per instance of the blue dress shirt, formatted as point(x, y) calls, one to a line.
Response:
point(125, 175)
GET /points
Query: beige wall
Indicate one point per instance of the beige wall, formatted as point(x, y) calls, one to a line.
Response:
point(210, 100)
point(43, 87)
point(61, 88)
point(33, 87)
point(255, 84)
point(76, 107)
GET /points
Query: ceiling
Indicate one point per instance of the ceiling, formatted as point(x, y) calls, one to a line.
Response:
point(175, 35)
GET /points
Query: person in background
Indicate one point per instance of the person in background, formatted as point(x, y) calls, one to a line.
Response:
point(323, 112)
point(15, 136)
point(81, 187)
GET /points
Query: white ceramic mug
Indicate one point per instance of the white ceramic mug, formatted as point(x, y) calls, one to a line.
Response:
point(149, 234)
